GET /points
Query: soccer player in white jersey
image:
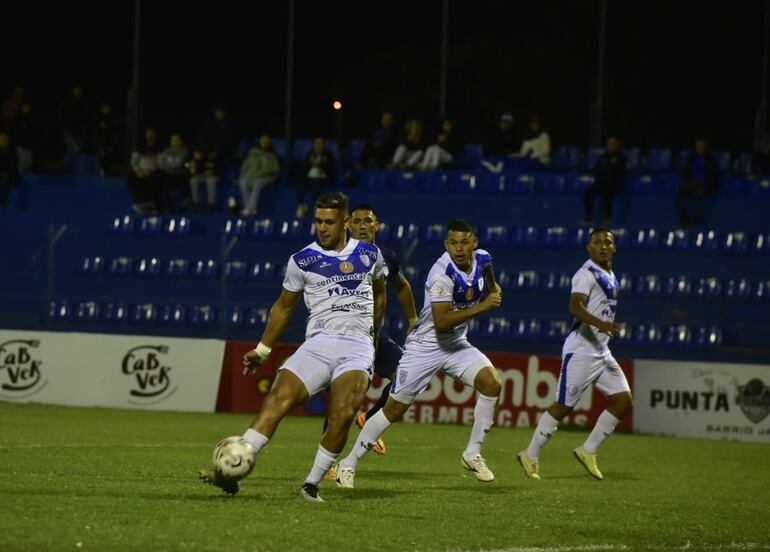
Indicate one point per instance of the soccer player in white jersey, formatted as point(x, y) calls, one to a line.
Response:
point(453, 295)
point(344, 289)
point(587, 359)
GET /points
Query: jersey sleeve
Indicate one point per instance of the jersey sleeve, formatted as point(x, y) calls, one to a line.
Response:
point(484, 259)
point(440, 289)
point(582, 282)
point(294, 280)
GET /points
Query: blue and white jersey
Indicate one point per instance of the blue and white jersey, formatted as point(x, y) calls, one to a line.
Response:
point(337, 286)
point(601, 287)
point(446, 283)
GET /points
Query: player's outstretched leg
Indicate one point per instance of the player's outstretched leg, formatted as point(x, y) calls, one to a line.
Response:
point(487, 383)
point(546, 427)
point(620, 404)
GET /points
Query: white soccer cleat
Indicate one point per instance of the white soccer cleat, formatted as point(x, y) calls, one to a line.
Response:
point(531, 467)
point(589, 462)
point(345, 477)
point(478, 466)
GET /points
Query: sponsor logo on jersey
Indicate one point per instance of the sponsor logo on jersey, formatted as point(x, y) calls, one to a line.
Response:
point(365, 260)
point(344, 292)
point(307, 261)
point(346, 267)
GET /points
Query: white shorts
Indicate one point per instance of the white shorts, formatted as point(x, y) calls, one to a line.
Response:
point(323, 358)
point(420, 362)
point(579, 371)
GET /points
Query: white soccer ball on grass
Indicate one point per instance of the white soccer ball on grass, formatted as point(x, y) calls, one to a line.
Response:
point(234, 457)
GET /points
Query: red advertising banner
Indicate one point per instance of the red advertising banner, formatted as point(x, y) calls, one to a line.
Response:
point(529, 387)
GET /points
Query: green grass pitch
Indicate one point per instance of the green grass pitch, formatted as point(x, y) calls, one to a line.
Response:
point(103, 479)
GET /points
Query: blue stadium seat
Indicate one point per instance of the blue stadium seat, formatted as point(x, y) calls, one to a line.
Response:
point(742, 163)
point(668, 184)
point(494, 236)
point(735, 242)
point(733, 188)
point(434, 233)
point(123, 226)
point(144, 313)
point(647, 334)
point(92, 266)
point(263, 229)
point(621, 237)
point(523, 236)
point(677, 287)
point(525, 329)
point(201, 316)
point(592, 156)
point(115, 313)
point(723, 160)
point(551, 184)
point(649, 285)
point(677, 336)
point(675, 240)
point(405, 232)
point(759, 189)
point(383, 231)
point(203, 269)
point(432, 182)
point(578, 237)
point(556, 330)
point(625, 335)
point(176, 227)
point(626, 283)
point(761, 244)
point(645, 238)
point(658, 159)
point(581, 182)
point(120, 266)
point(83, 165)
point(149, 227)
point(525, 280)
point(235, 227)
point(504, 277)
point(492, 183)
point(523, 184)
point(177, 268)
point(644, 184)
point(707, 288)
point(371, 179)
point(412, 274)
point(705, 241)
point(474, 327)
point(495, 327)
point(87, 311)
point(172, 315)
point(407, 181)
point(280, 147)
point(333, 148)
point(289, 230)
point(352, 154)
point(300, 148)
point(235, 270)
point(555, 282)
point(632, 158)
point(707, 337)
point(147, 268)
point(257, 317)
point(681, 159)
point(738, 288)
point(761, 290)
point(262, 271)
point(566, 157)
point(463, 181)
point(555, 237)
point(471, 155)
point(235, 316)
point(60, 310)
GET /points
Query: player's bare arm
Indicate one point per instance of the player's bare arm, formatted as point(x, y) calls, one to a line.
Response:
point(280, 315)
point(406, 299)
point(445, 318)
point(492, 281)
point(577, 308)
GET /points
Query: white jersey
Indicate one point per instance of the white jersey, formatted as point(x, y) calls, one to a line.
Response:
point(446, 283)
point(337, 286)
point(601, 287)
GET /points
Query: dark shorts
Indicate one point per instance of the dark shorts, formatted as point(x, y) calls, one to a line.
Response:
point(387, 356)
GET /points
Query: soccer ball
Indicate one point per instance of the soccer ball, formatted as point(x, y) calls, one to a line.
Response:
point(233, 457)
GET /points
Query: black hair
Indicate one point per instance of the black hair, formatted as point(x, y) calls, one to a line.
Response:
point(461, 225)
point(364, 207)
point(599, 230)
point(333, 200)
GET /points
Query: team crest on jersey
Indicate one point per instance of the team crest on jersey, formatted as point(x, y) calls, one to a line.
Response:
point(469, 293)
point(346, 267)
point(365, 259)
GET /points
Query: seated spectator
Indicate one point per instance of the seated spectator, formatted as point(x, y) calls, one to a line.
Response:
point(74, 119)
point(203, 169)
point(26, 137)
point(9, 168)
point(501, 146)
point(609, 174)
point(174, 175)
point(443, 151)
point(700, 185)
point(409, 152)
point(537, 144)
point(219, 136)
point(381, 146)
point(143, 180)
point(318, 173)
point(107, 137)
point(259, 169)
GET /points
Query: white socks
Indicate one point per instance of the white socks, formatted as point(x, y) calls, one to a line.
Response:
point(323, 461)
point(483, 415)
point(373, 428)
point(255, 439)
point(545, 429)
point(604, 427)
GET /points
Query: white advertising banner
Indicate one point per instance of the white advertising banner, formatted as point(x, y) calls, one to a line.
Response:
point(85, 369)
point(702, 399)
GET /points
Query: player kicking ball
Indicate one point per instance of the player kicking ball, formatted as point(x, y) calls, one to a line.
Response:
point(586, 358)
point(453, 295)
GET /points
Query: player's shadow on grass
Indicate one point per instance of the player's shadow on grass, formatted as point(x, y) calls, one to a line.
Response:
point(399, 475)
point(615, 476)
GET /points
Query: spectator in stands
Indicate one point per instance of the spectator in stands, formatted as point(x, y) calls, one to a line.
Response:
point(318, 173)
point(26, 137)
point(9, 168)
point(501, 146)
point(11, 106)
point(382, 144)
point(410, 151)
point(144, 181)
point(107, 137)
point(174, 174)
point(219, 135)
point(259, 169)
point(73, 117)
point(444, 150)
point(537, 144)
point(609, 174)
point(203, 169)
point(699, 187)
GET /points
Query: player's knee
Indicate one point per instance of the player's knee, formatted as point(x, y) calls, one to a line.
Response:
point(488, 383)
